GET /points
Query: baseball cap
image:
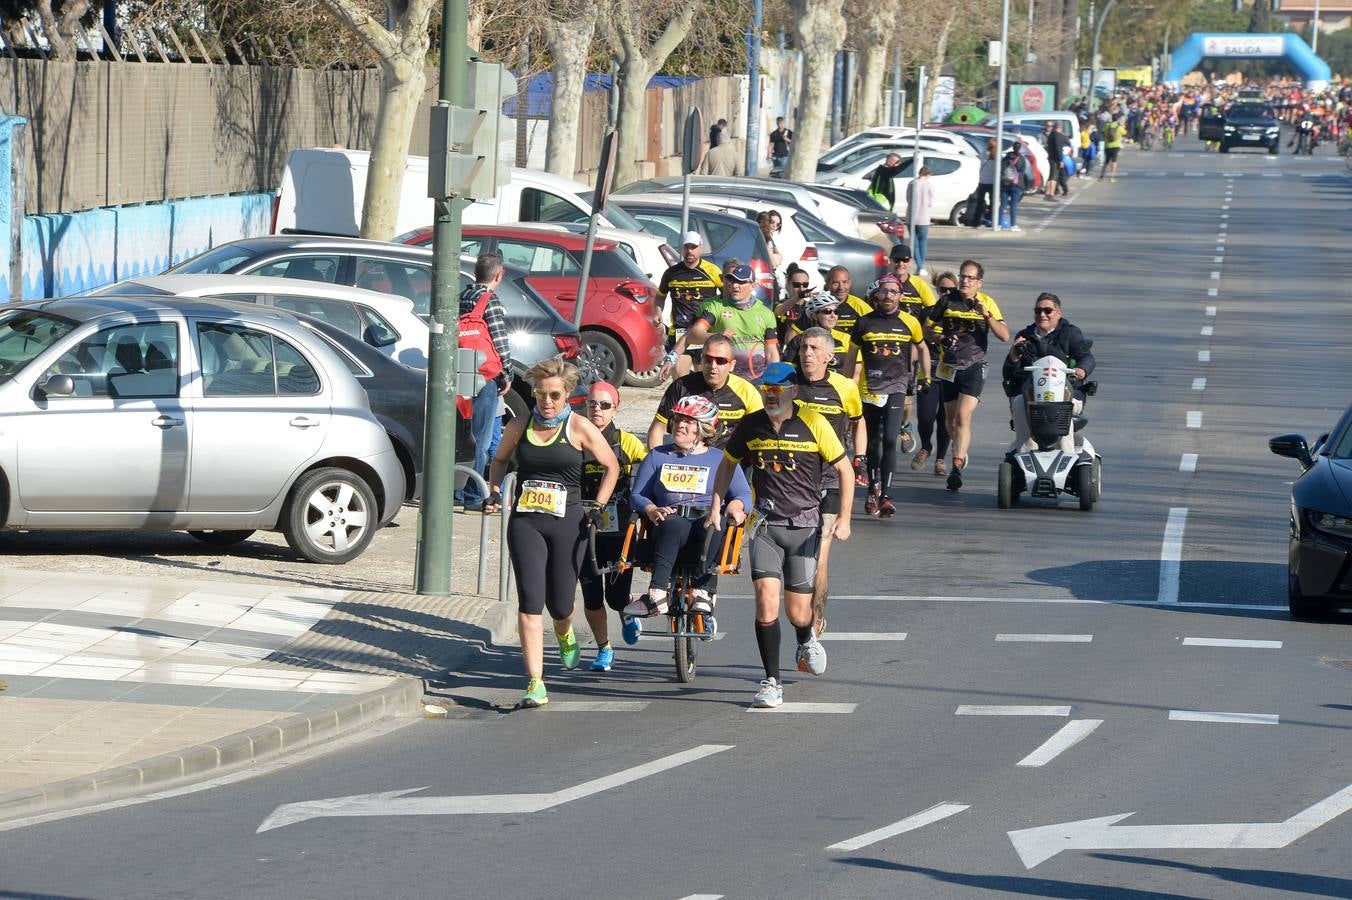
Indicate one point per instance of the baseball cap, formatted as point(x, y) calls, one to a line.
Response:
point(743, 274)
point(900, 252)
point(692, 237)
point(778, 373)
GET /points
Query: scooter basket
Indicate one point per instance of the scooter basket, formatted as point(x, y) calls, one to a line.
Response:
point(1050, 420)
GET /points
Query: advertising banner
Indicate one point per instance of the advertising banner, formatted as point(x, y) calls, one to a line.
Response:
point(1032, 97)
point(1244, 46)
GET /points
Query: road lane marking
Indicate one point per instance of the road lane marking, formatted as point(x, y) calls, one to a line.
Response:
point(1225, 215)
point(1194, 418)
point(825, 708)
point(1221, 238)
point(1046, 638)
point(934, 814)
point(1208, 331)
point(989, 710)
point(703, 897)
point(1230, 718)
point(863, 636)
point(1188, 463)
point(598, 705)
point(1211, 310)
point(1215, 276)
point(1226, 205)
point(1194, 174)
point(1272, 174)
point(1231, 642)
point(1199, 384)
point(1171, 554)
point(1224, 225)
point(1069, 735)
point(1212, 292)
point(1204, 356)
point(1216, 259)
point(1275, 608)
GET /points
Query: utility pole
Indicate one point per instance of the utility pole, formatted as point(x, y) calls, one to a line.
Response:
point(1094, 56)
point(897, 109)
point(1314, 29)
point(753, 94)
point(1000, 115)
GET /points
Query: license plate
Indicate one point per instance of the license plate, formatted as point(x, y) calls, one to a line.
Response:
point(1253, 137)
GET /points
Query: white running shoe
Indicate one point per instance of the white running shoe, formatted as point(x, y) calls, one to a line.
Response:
point(811, 656)
point(770, 695)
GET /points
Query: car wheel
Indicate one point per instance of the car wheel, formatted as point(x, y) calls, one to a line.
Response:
point(1224, 148)
point(648, 379)
point(955, 217)
point(222, 538)
point(331, 516)
point(602, 358)
point(1300, 606)
point(1272, 149)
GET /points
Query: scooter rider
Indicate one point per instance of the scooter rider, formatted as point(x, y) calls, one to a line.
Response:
point(1049, 335)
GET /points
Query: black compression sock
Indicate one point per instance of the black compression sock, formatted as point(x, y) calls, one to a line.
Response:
point(803, 633)
point(767, 640)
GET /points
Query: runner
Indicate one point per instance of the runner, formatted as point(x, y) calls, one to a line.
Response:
point(733, 395)
point(916, 297)
point(751, 325)
point(687, 284)
point(789, 451)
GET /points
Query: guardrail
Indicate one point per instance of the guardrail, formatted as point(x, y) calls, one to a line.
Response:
point(483, 530)
point(504, 566)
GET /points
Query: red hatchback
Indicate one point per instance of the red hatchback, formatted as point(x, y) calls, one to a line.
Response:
point(622, 332)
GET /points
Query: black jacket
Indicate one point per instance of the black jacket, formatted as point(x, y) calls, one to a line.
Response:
point(1066, 343)
point(881, 181)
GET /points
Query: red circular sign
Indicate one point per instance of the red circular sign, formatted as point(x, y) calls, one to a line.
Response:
point(1033, 98)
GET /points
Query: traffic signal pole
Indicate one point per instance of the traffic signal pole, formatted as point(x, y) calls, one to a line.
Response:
point(432, 568)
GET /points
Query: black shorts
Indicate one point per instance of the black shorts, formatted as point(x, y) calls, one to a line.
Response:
point(1110, 154)
point(969, 381)
point(831, 502)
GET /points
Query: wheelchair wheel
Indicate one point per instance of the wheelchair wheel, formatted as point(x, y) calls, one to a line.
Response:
point(685, 651)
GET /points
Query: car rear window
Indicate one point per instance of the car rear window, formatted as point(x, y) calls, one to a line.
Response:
point(215, 261)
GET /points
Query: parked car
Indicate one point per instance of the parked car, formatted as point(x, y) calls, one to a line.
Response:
point(897, 134)
point(163, 414)
point(1319, 554)
point(954, 177)
point(536, 331)
point(904, 146)
point(1029, 140)
point(1067, 122)
point(622, 332)
point(386, 322)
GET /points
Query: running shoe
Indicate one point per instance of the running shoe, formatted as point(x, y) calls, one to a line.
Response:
point(605, 658)
point(918, 461)
point(631, 628)
point(907, 438)
point(940, 468)
point(885, 508)
point(536, 695)
point(569, 652)
point(700, 601)
point(955, 477)
point(770, 695)
point(871, 505)
point(811, 657)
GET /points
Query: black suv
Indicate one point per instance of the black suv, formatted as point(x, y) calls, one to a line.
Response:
point(1250, 125)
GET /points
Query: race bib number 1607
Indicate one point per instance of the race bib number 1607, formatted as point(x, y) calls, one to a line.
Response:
point(685, 479)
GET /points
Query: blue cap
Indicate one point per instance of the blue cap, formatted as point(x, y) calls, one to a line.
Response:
point(778, 373)
point(742, 274)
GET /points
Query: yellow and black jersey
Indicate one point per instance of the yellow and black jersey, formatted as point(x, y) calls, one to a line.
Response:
point(845, 360)
point(629, 452)
point(788, 465)
point(886, 343)
point(688, 287)
point(916, 296)
point(850, 310)
point(836, 399)
point(966, 331)
point(734, 400)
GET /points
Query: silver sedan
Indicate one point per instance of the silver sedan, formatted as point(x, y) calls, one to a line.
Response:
point(163, 414)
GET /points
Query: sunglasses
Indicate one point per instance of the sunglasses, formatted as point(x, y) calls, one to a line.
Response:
point(775, 388)
point(902, 260)
point(600, 404)
point(556, 396)
point(969, 278)
point(799, 285)
point(1044, 310)
point(828, 312)
point(717, 360)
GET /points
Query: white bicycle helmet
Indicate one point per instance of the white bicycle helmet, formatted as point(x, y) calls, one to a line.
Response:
point(818, 302)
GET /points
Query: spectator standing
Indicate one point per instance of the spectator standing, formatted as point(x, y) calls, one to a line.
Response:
point(780, 140)
point(880, 183)
point(985, 189)
point(720, 126)
point(919, 202)
point(1056, 145)
point(1012, 170)
point(484, 419)
point(722, 159)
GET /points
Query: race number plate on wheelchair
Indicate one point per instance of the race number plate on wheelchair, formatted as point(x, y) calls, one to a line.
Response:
point(685, 479)
point(542, 496)
point(610, 519)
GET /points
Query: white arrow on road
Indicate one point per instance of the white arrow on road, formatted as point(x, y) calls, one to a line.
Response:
point(1037, 845)
point(397, 803)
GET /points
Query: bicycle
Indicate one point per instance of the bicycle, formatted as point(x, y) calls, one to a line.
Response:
point(1167, 139)
point(688, 628)
point(1147, 137)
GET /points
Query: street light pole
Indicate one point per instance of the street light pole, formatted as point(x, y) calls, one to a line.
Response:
point(1000, 114)
point(1314, 31)
point(1094, 57)
point(753, 94)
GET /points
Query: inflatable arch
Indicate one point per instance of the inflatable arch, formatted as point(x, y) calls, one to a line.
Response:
point(1249, 46)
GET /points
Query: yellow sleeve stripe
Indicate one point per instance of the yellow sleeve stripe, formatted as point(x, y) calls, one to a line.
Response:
point(746, 392)
point(828, 445)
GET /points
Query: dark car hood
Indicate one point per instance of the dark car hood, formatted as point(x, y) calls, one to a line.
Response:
point(1327, 486)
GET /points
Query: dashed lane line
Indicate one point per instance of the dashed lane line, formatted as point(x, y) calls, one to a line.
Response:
point(1204, 356)
point(1212, 292)
point(1199, 384)
point(1215, 275)
point(1188, 463)
point(1232, 642)
point(1276, 609)
point(1208, 331)
point(1046, 638)
point(1070, 734)
point(598, 705)
point(864, 636)
point(934, 814)
point(989, 710)
point(1225, 718)
point(1171, 554)
point(1194, 418)
point(824, 708)
point(1211, 310)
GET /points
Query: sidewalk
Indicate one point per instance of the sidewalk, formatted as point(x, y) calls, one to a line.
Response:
point(107, 673)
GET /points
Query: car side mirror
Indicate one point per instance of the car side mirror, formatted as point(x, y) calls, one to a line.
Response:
point(58, 386)
point(1292, 446)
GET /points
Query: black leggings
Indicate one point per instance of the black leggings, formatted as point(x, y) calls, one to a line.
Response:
point(612, 588)
point(930, 410)
point(546, 556)
point(883, 424)
point(679, 536)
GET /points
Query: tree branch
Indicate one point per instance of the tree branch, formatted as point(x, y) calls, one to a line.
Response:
point(372, 32)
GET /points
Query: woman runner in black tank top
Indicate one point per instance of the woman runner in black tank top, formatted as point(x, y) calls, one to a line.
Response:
point(545, 535)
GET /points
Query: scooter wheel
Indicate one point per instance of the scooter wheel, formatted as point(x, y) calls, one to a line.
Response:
point(1004, 486)
point(1084, 486)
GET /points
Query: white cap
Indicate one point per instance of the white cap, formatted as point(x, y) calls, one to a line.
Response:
point(692, 237)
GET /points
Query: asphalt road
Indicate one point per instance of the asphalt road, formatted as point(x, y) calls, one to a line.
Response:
point(1053, 670)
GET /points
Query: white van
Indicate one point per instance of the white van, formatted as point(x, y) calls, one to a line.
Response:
point(1068, 122)
point(323, 190)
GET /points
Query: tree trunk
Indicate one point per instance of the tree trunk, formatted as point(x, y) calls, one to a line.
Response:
point(59, 25)
point(401, 92)
point(819, 30)
point(869, 101)
point(634, 78)
point(940, 57)
point(568, 41)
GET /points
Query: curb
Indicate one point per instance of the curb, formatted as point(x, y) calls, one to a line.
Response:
point(229, 754)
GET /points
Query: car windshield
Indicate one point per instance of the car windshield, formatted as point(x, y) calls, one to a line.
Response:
point(216, 261)
point(25, 334)
point(1343, 448)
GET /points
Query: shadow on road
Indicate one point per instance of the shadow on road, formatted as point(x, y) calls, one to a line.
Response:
point(1016, 884)
point(1317, 885)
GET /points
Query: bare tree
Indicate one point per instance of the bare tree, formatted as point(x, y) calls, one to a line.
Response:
point(871, 30)
point(60, 20)
point(641, 34)
point(568, 28)
point(819, 30)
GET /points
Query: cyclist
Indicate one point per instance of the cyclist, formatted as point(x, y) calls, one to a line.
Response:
point(962, 322)
point(751, 326)
point(889, 340)
point(688, 284)
point(674, 490)
point(916, 297)
point(789, 450)
point(733, 395)
point(545, 535)
point(825, 391)
point(612, 588)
